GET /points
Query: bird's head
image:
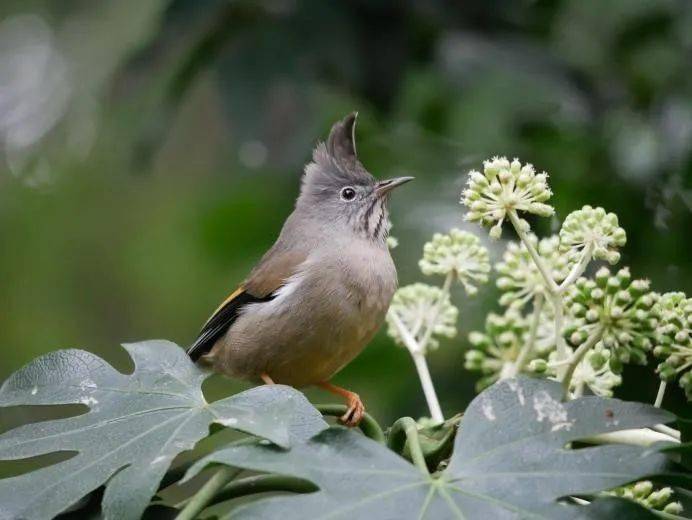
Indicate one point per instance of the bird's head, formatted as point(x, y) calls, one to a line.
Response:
point(337, 189)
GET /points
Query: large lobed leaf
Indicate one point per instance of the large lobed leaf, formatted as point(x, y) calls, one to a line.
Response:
point(135, 426)
point(511, 460)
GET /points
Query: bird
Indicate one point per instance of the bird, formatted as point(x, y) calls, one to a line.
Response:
point(320, 293)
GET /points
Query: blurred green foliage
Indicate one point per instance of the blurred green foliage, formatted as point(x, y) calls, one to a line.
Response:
point(151, 150)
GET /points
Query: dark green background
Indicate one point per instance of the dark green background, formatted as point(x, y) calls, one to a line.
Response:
point(159, 148)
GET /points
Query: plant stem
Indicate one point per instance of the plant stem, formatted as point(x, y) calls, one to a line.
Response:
point(207, 492)
point(559, 319)
point(369, 426)
point(635, 437)
point(438, 306)
point(428, 387)
point(264, 484)
point(405, 432)
point(576, 359)
point(422, 368)
point(659, 395)
point(527, 349)
point(667, 430)
point(554, 292)
point(578, 268)
point(547, 278)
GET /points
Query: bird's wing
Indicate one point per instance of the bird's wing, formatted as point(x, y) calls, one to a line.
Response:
point(268, 276)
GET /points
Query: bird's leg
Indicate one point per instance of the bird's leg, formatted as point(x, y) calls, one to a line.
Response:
point(356, 409)
point(267, 380)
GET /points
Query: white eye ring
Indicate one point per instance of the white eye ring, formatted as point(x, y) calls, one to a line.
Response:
point(348, 194)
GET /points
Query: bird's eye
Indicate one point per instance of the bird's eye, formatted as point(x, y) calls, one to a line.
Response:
point(348, 193)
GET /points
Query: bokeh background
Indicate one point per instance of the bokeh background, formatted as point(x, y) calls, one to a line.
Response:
point(150, 151)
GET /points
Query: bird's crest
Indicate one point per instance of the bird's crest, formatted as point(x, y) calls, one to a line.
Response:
point(334, 162)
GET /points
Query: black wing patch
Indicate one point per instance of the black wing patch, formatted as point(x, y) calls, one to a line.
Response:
point(219, 323)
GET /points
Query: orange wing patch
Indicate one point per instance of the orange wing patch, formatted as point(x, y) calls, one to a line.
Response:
point(233, 295)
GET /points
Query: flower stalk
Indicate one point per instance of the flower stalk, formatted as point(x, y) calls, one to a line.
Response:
point(421, 366)
point(527, 348)
point(522, 232)
point(577, 357)
point(659, 395)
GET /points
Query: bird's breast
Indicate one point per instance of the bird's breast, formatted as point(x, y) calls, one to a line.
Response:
point(318, 322)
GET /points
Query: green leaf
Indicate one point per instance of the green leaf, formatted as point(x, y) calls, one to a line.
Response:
point(510, 460)
point(136, 424)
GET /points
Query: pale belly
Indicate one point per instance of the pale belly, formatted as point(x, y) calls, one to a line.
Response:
point(307, 334)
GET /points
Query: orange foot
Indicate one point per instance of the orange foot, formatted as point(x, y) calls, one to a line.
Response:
point(356, 409)
point(267, 380)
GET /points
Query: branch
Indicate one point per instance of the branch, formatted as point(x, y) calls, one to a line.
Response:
point(207, 492)
point(369, 426)
point(404, 432)
point(264, 484)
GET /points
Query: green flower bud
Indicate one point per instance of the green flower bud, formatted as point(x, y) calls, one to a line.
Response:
point(595, 228)
point(520, 279)
point(617, 305)
point(459, 253)
point(503, 338)
point(673, 339)
point(503, 187)
point(645, 494)
point(420, 308)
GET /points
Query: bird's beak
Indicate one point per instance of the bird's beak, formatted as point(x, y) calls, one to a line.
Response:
point(384, 187)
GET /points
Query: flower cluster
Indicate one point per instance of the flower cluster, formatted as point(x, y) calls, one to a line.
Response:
point(674, 339)
point(595, 230)
point(425, 311)
point(520, 280)
point(619, 310)
point(592, 372)
point(495, 351)
point(458, 253)
point(644, 494)
point(504, 187)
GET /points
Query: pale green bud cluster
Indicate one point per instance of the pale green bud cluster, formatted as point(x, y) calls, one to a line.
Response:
point(496, 349)
point(644, 493)
point(619, 306)
point(593, 372)
point(520, 280)
point(392, 242)
point(459, 253)
point(421, 307)
point(505, 186)
point(592, 227)
point(674, 339)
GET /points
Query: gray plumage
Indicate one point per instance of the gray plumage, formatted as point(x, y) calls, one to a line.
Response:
point(320, 293)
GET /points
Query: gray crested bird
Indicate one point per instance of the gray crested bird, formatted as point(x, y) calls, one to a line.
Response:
point(318, 296)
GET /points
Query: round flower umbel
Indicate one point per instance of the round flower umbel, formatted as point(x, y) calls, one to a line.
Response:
point(617, 309)
point(674, 339)
point(495, 351)
point(593, 372)
point(459, 254)
point(425, 311)
point(504, 187)
point(593, 230)
point(520, 280)
point(643, 492)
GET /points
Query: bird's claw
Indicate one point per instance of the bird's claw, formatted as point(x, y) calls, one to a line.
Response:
point(354, 413)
